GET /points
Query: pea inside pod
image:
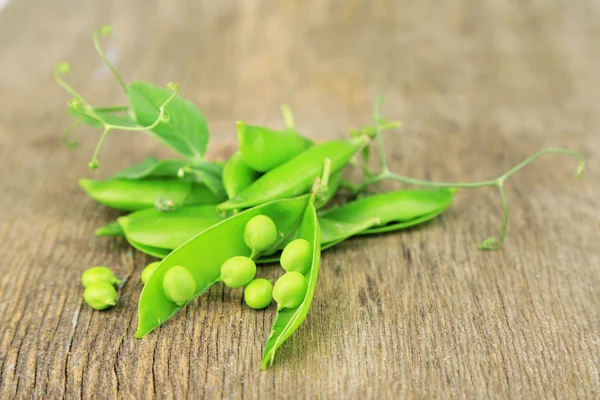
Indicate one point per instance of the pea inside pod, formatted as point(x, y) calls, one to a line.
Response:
point(204, 254)
point(295, 307)
point(179, 285)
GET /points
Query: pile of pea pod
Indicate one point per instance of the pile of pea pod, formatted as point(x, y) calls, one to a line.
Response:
point(278, 174)
point(273, 201)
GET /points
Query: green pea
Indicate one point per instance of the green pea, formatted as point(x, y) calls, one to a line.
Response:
point(99, 274)
point(296, 256)
point(148, 271)
point(258, 294)
point(290, 289)
point(100, 295)
point(238, 271)
point(260, 233)
point(179, 285)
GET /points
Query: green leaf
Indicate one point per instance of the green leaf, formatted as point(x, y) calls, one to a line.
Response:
point(152, 167)
point(186, 131)
point(209, 174)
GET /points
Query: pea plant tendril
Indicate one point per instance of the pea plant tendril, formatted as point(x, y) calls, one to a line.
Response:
point(490, 243)
point(80, 105)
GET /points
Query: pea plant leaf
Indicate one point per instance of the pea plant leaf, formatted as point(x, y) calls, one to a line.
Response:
point(186, 130)
point(152, 167)
point(208, 173)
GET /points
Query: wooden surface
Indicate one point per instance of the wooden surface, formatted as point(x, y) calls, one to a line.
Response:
point(422, 313)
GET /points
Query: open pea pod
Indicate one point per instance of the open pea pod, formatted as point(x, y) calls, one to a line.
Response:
point(204, 254)
point(289, 319)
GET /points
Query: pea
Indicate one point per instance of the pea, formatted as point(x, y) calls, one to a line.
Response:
point(260, 233)
point(296, 256)
point(179, 285)
point(238, 271)
point(258, 293)
point(290, 289)
point(148, 271)
point(99, 274)
point(100, 295)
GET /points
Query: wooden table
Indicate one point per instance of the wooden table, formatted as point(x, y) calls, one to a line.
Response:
point(421, 313)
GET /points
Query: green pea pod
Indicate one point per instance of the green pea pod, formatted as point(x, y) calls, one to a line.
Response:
point(237, 175)
point(332, 187)
point(168, 230)
point(264, 149)
point(110, 229)
point(378, 213)
point(132, 195)
point(289, 319)
point(296, 176)
point(407, 207)
point(157, 252)
point(204, 254)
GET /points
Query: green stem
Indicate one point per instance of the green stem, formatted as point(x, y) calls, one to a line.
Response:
point(288, 117)
point(378, 136)
point(108, 127)
point(105, 31)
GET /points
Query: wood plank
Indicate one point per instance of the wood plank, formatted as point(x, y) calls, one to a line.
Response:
point(422, 313)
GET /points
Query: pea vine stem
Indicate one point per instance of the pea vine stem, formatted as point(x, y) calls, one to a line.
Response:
point(105, 31)
point(78, 103)
point(491, 243)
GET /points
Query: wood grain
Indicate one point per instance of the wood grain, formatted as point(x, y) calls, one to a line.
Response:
point(419, 314)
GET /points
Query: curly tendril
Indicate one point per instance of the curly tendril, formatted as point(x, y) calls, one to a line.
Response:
point(490, 243)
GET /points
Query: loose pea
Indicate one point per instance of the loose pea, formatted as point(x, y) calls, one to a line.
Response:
point(100, 295)
point(148, 271)
point(179, 285)
point(296, 256)
point(99, 274)
point(258, 293)
point(290, 289)
point(238, 271)
point(260, 233)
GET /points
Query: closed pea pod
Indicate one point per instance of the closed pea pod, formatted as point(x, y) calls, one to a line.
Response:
point(200, 258)
point(132, 195)
point(400, 209)
point(237, 175)
point(264, 149)
point(168, 230)
point(296, 176)
point(100, 295)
